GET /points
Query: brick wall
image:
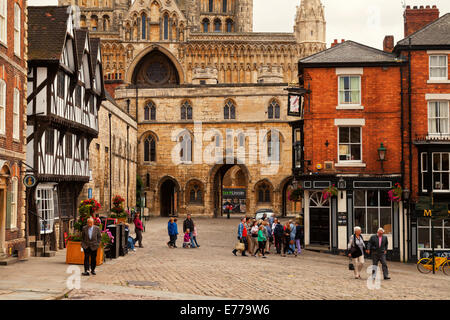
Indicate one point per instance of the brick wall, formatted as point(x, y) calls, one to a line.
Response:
point(381, 101)
point(418, 17)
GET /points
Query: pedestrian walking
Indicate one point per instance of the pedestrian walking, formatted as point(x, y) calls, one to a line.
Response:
point(268, 235)
point(187, 239)
point(254, 233)
point(138, 228)
point(172, 229)
point(189, 224)
point(249, 235)
point(278, 235)
point(292, 235)
point(356, 248)
point(298, 237)
point(262, 238)
point(194, 236)
point(90, 241)
point(287, 239)
point(378, 246)
point(242, 236)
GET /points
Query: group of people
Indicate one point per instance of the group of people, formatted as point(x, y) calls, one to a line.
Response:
point(258, 236)
point(189, 230)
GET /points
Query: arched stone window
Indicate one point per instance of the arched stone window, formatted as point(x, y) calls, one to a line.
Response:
point(82, 21)
point(185, 142)
point(150, 111)
point(211, 6)
point(217, 25)
point(195, 194)
point(229, 111)
point(144, 26)
point(273, 144)
point(229, 25)
point(263, 191)
point(224, 6)
point(106, 23)
point(150, 149)
point(273, 110)
point(166, 26)
point(186, 111)
point(94, 23)
point(205, 24)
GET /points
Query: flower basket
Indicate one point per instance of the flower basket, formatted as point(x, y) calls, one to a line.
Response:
point(395, 194)
point(330, 192)
point(295, 195)
point(75, 255)
point(118, 211)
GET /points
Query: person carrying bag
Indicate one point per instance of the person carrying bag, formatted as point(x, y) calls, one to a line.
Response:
point(356, 248)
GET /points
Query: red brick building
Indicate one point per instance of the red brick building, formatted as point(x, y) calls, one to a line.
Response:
point(426, 95)
point(13, 86)
point(352, 109)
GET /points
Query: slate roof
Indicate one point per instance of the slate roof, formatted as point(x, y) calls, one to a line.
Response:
point(350, 52)
point(437, 33)
point(95, 44)
point(47, 28)
point(80, 40)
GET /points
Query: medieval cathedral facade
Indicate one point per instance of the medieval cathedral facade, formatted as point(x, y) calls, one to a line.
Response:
point(200, 82)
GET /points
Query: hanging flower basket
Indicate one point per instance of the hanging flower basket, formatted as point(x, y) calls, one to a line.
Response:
point(395, 194)
point(330, 192)
point(118, 211)
point(295, 195)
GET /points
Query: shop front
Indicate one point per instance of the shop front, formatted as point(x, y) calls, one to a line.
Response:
point(330, 218)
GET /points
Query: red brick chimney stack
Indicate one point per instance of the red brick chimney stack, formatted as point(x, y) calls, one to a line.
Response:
point(388, 44)
point(417, 18)
point(334, 43)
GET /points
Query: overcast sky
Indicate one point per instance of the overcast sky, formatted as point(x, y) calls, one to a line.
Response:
point(364, 21)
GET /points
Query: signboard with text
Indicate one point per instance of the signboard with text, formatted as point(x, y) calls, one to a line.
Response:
point(234, 199)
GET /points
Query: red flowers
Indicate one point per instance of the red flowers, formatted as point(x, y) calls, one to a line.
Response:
point(395, 194)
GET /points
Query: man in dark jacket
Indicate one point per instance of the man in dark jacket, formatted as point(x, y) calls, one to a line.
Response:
point(90, 241)
point(378, 246)
point(189, 224)
point(278, 233)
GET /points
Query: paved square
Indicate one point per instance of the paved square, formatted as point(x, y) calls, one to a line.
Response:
point(212, 271)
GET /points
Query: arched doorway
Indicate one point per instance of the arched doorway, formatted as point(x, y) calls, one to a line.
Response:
point(230, 187)
point(168, 200)
point(319, 219)
point(4, 176)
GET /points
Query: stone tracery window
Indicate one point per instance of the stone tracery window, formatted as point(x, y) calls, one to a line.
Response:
point(205, 24)
point(150, 149)
point(195, 194)
point(217, 25)
point(186, 111)
point(229, 25)
point(273, 110)
point(229, 111)
point(144, 26)
point(263, 191)
point(150, 111)
point(166, 26)
point(185, 142)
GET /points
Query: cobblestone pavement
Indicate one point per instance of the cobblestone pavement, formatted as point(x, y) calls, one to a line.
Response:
point(212, 271)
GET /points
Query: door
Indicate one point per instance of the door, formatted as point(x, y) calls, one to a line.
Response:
point(319, 226)
point(2, 220)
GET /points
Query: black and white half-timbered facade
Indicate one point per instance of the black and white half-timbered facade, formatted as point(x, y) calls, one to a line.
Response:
point(65, 90)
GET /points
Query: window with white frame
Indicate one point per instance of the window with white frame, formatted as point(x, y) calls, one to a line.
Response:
point(16, 115)
point(441, 233)
point(424, 169)
point(438, 118)
point(441, 171)
point(46, 207)
point(373, 210)
point(2, 106)
point(12, 212)
point(349, 90)
point(17, 24)
point(349, 144)
point(439, 67)
point(3, 18)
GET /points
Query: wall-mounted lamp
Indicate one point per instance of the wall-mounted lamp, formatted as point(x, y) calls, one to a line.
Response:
point(382, 154)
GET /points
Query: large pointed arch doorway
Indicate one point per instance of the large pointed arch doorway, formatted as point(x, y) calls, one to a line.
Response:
point(168, 197)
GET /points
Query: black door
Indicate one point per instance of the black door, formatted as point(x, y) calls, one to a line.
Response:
point(167, 200)
point(319, 226)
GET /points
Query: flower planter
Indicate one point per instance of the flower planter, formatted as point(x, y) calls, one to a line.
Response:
point(121, 220)
point(74, 254)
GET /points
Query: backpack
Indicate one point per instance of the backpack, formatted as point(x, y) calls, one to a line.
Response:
point(278, 230)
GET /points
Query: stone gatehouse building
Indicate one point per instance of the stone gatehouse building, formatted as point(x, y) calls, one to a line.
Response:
point(175, 63)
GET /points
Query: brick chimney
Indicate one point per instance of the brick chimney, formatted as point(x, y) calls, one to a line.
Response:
point(388, 44)
point(334, 43)
point(417, 18)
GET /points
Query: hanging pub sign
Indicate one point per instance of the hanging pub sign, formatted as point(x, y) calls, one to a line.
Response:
point(29, 181)
point(295, 105)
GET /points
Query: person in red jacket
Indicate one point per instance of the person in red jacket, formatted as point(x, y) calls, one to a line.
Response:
point(138, 228)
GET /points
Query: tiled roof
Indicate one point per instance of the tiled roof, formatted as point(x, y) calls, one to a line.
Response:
point(47, 28)
point(95, 44)
point(80, 40)
point(350, 52)
point(437, 33)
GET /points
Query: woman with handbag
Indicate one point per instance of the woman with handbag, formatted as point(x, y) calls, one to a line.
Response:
point(356, 248)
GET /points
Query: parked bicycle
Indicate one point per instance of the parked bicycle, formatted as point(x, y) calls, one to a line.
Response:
point(425, 265)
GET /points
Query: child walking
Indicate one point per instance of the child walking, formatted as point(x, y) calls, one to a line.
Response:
point(187, 239)
point(194, 236)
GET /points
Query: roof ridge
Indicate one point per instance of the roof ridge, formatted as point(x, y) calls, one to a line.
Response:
point(423, 29)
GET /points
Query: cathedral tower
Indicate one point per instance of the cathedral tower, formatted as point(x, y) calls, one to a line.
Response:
point(244, 15)
point(310, 25)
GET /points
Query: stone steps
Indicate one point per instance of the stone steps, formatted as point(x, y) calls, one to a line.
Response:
point(8, 261)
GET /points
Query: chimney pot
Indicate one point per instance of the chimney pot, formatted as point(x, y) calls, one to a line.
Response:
point(417, 18)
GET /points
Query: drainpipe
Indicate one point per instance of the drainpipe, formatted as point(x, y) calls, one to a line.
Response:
point(403, 158)
point(410, 139)
point(110, 164)
point(128, 164)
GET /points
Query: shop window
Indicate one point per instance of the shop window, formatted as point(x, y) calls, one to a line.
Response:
point(45, 201)
point(441, 233)
point(372, 210)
